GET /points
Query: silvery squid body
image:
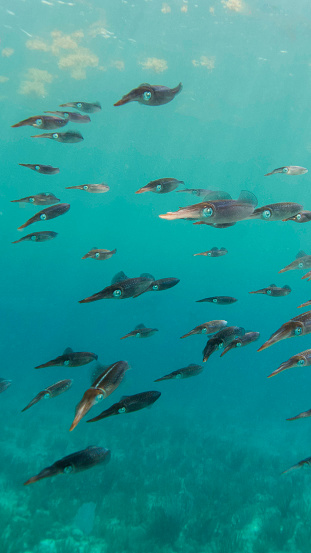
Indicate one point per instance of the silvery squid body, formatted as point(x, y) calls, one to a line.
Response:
point(4, 384)
point(274, 291)
point(221, 340)
point(69, 137)
point(100, 255)
point(302, 359)
point(47, 214)
point(41, 236)
point(301, 262)
point(305, 304)
point(140, 331)
point(102, 387)
point(71, 359)
point(298, 326)
point(43, 169)
point(71, 116)
point(301, 217)
point(91, 188)
point(302, 415)
point(304, 462)
point(160, 186)
point(86, 107)
point(289, 170)
point(217, 212)
point(123, 287)
point(76, 462)
point(207, 328)
point(45, 198)
point(150, 95)
point(214, 252)
point(51, 391)
point(277, 212)
point(220, 300)
point(43, 122)
point(186, 372)
point(242, 341)
point(129, 404)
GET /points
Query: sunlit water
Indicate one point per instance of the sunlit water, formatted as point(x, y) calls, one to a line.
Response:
point(201, 470)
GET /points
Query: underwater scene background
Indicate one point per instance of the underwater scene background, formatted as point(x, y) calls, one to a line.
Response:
point(201, 470)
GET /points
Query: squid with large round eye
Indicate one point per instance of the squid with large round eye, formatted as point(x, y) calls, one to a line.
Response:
point(70, 358)
point(91, 188)
point(221, 340)
point(304, 462)
point(45, 198)
point(72, 116)
point(47, 214)
point(274, 291)
point(301, 217)
point(50, 392)
point(160, 186)
point(214, 252)
point(76, 462)
point(221, 300)
point(43, 169)
point(129, 404)
point(43, 122)
point(242, 341)
point(140, 331)
point(83, 106)
point(218, 211)
point(69, 137)
point(289, 170)
point(302, 359)
point(298, 326)
point(207, 328)
point(42, 236)
point(106, 383)
point(123, 287)
point(186, 372)
point(302, 261)
point(150, 95)
point(98, 254)
point(277, 212)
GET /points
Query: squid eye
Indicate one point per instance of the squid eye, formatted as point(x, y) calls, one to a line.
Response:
point(68, 469)
point(43, 217)
point(215, 300)
point(266, 214)
point(147, 96)
point(204, 330)
point(31, 200)
point(300, 265)
point(85, 187)
point(99, 398)
point(79, 105)
point(66, 362)
point(55, 135)
point(221, 345)
point(38, 122)
point(46, 194)
point(285, 170)
point(268, 292)
point(159, 188)
point(121, 410)
point(238, 344)
point(207, 212)
point(46, 396)
point(209, 254)
point(298, 331)
point(298, 216)
point(117, 293)
point(178, 375)
point(34, 238)
point(37, 167)
point(155, 287)
point(66, 115)
point(301, 362)
point(97, 255)
point(137, 334)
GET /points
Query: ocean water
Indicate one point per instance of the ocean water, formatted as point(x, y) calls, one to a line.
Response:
point(200, 472)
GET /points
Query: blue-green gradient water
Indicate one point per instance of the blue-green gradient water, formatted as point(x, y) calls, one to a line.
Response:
point(200, 472)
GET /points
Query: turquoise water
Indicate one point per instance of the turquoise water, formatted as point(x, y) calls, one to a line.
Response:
point(201, 470)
